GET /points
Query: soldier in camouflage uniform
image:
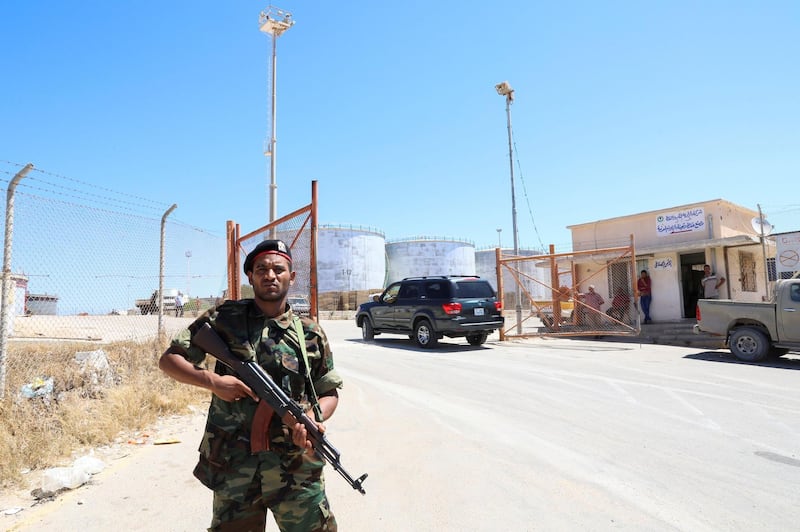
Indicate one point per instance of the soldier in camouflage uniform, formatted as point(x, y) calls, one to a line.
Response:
point(287, 477)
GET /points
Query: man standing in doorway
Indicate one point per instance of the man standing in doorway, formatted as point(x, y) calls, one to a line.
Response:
point(711, 283)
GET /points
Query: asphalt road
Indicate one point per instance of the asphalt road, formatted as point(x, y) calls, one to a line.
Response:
point(541, 434)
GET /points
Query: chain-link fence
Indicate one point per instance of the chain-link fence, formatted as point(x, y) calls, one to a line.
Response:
point(72, 261)
point(591, 293)
point(82, 266)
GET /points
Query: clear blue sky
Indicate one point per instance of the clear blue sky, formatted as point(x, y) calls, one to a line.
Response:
point(621, 107)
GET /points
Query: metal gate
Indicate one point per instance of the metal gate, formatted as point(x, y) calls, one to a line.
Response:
point(299, 230)
point(589, 293)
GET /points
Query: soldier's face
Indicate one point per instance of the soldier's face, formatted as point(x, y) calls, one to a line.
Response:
point(271, 277)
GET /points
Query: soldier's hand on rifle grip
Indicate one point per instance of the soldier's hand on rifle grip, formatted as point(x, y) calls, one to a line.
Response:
point(300, 434)
point(229, 388)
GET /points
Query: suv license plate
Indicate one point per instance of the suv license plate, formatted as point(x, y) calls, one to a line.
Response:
point(479, 311)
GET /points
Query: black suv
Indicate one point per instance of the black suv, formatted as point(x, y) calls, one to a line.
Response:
point(429, 308)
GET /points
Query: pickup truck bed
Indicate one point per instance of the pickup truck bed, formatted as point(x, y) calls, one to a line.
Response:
point(754, 331)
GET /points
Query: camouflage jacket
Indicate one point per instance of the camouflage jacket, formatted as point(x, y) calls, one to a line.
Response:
point(274, 344)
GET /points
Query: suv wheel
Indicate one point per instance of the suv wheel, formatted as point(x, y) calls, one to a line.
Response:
point(367, 332)
point(424, 334)
point(477, 338)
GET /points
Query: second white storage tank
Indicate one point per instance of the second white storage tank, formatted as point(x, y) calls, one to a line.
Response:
point(426, 256)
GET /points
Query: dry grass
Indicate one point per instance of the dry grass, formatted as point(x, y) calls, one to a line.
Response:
point(41, 432)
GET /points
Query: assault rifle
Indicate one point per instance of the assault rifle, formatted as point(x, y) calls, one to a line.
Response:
point(273, 395)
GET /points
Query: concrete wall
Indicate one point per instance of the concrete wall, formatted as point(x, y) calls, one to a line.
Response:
point(735, 284)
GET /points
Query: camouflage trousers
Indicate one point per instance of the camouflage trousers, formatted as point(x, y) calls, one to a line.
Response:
point(290, 485)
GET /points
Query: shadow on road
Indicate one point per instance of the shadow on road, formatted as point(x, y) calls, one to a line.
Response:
point(790, 362)
point(409, 345)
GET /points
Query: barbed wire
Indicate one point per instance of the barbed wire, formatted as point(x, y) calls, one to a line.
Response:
point(59, 192)
point(125, 200)
point(93, 185)
point(27, 188)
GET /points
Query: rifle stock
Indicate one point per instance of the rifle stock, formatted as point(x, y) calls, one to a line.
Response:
point(267, 390)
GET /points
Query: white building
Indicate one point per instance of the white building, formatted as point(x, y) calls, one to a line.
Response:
point(673, 244)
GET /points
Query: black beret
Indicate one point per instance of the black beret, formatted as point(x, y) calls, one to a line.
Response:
point(277, 247)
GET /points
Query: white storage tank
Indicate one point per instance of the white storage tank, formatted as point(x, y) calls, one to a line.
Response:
point(425, 256)
point(350, 258)
point(486, 266)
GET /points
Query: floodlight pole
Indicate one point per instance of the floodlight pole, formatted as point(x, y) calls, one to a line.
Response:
point(273, 22)
point(505, 90)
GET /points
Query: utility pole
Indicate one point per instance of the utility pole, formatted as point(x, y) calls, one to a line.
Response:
point(764, 252)
point(505, 90)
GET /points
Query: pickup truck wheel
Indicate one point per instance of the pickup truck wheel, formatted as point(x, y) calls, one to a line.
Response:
point(367, 332)
point(477, 338)
point(749, 344)
point(424, 334)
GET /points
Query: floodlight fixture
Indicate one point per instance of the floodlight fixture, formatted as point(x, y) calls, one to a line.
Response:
point(504, 89)
point(275, 21)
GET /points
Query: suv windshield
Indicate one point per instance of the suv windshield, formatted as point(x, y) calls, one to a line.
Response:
point(473, 289)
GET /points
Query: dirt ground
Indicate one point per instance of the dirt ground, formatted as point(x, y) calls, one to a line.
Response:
point(171, 442)
point(172, 439)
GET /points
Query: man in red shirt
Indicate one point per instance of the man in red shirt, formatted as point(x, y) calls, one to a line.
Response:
point(645, 294)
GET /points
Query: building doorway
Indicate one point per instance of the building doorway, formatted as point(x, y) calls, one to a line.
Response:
point(691, 275)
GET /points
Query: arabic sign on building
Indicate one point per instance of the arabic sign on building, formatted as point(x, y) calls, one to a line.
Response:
point(787, 252)
point(686, 221)
point(663, 264)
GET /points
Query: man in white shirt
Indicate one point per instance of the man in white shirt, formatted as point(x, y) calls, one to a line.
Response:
point(711, 283)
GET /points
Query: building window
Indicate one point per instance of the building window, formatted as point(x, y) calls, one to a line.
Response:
point(772, 275)
point(747, 271)
point(642, 264)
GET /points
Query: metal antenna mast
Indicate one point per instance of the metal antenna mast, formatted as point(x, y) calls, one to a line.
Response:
point(273, 22)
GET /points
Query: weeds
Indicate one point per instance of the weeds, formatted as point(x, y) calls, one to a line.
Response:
point(84, 409)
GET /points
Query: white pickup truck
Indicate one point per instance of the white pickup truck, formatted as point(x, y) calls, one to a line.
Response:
point(754, 331)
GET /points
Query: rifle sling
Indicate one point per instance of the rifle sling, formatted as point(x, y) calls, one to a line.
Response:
point(298, 327)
